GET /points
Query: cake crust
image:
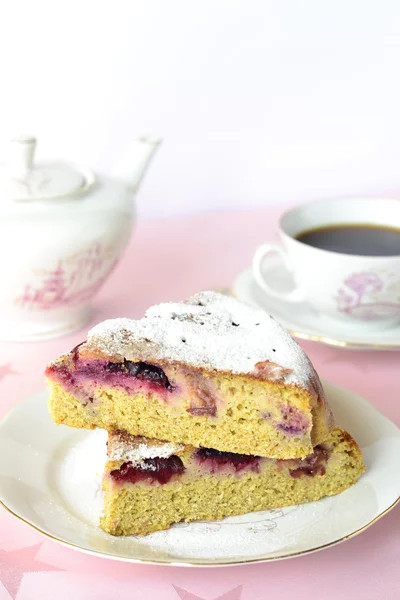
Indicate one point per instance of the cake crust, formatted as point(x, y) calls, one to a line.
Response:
point(209, 331)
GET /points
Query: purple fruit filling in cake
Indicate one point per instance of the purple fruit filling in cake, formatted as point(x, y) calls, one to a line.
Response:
point(215, 461)
point(129, 375)
point(151, 470)
point(314, 464)
point(293, 421)
point(203, 404)
point(204, 394)
point(266, 415)
point(141, 370)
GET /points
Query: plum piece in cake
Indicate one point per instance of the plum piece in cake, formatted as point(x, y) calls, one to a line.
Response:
point(210, 372)
point(150, 485)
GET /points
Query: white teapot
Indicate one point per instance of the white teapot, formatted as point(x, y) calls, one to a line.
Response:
point(62, 230)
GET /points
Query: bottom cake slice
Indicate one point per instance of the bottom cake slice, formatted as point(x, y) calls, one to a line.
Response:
point(149, 484)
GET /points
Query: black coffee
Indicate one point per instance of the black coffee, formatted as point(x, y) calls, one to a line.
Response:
point(364, 240)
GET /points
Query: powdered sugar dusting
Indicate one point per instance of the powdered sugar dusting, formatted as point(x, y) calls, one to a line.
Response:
point(126, 447)
point(209, 330)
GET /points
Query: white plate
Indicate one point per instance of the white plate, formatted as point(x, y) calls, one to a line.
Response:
point(306, 323)
point(50, 479)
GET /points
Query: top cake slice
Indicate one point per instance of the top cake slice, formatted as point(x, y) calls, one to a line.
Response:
point(210, 372)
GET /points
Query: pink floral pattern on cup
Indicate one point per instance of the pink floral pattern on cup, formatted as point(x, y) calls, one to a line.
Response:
point(359, 297)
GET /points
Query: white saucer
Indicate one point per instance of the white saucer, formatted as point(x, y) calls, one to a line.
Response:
point(50, 479)
point(304, 322)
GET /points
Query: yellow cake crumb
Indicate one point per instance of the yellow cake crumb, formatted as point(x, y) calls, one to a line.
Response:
point(239, 425)
point(141, 508)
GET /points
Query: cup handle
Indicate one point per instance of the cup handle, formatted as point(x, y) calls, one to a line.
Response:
point(296, 295)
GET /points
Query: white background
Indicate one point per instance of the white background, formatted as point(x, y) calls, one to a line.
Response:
point(258, 101)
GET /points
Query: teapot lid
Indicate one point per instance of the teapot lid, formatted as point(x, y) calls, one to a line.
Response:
point(21, 180)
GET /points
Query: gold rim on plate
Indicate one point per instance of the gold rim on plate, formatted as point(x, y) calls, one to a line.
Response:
point(340, 343)
point(178, 563)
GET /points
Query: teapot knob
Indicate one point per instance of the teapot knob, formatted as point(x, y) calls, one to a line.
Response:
point(20, 156)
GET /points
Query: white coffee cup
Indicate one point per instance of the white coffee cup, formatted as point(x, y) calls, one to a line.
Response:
point(342, 286)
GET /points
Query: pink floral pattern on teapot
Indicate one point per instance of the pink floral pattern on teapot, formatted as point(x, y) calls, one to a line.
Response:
point(73, 280)
point(367, 295)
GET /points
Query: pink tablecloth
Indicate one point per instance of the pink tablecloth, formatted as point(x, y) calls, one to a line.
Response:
point(168, 260)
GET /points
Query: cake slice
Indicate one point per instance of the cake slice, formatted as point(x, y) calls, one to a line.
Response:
point(150, 485)
point(210, 372)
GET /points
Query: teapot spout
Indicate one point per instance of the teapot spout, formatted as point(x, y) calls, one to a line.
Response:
point(136, 161)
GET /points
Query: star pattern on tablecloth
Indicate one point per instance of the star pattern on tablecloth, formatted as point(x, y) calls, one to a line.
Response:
point(6, 370)
point(234, 594)
point(15, 563)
